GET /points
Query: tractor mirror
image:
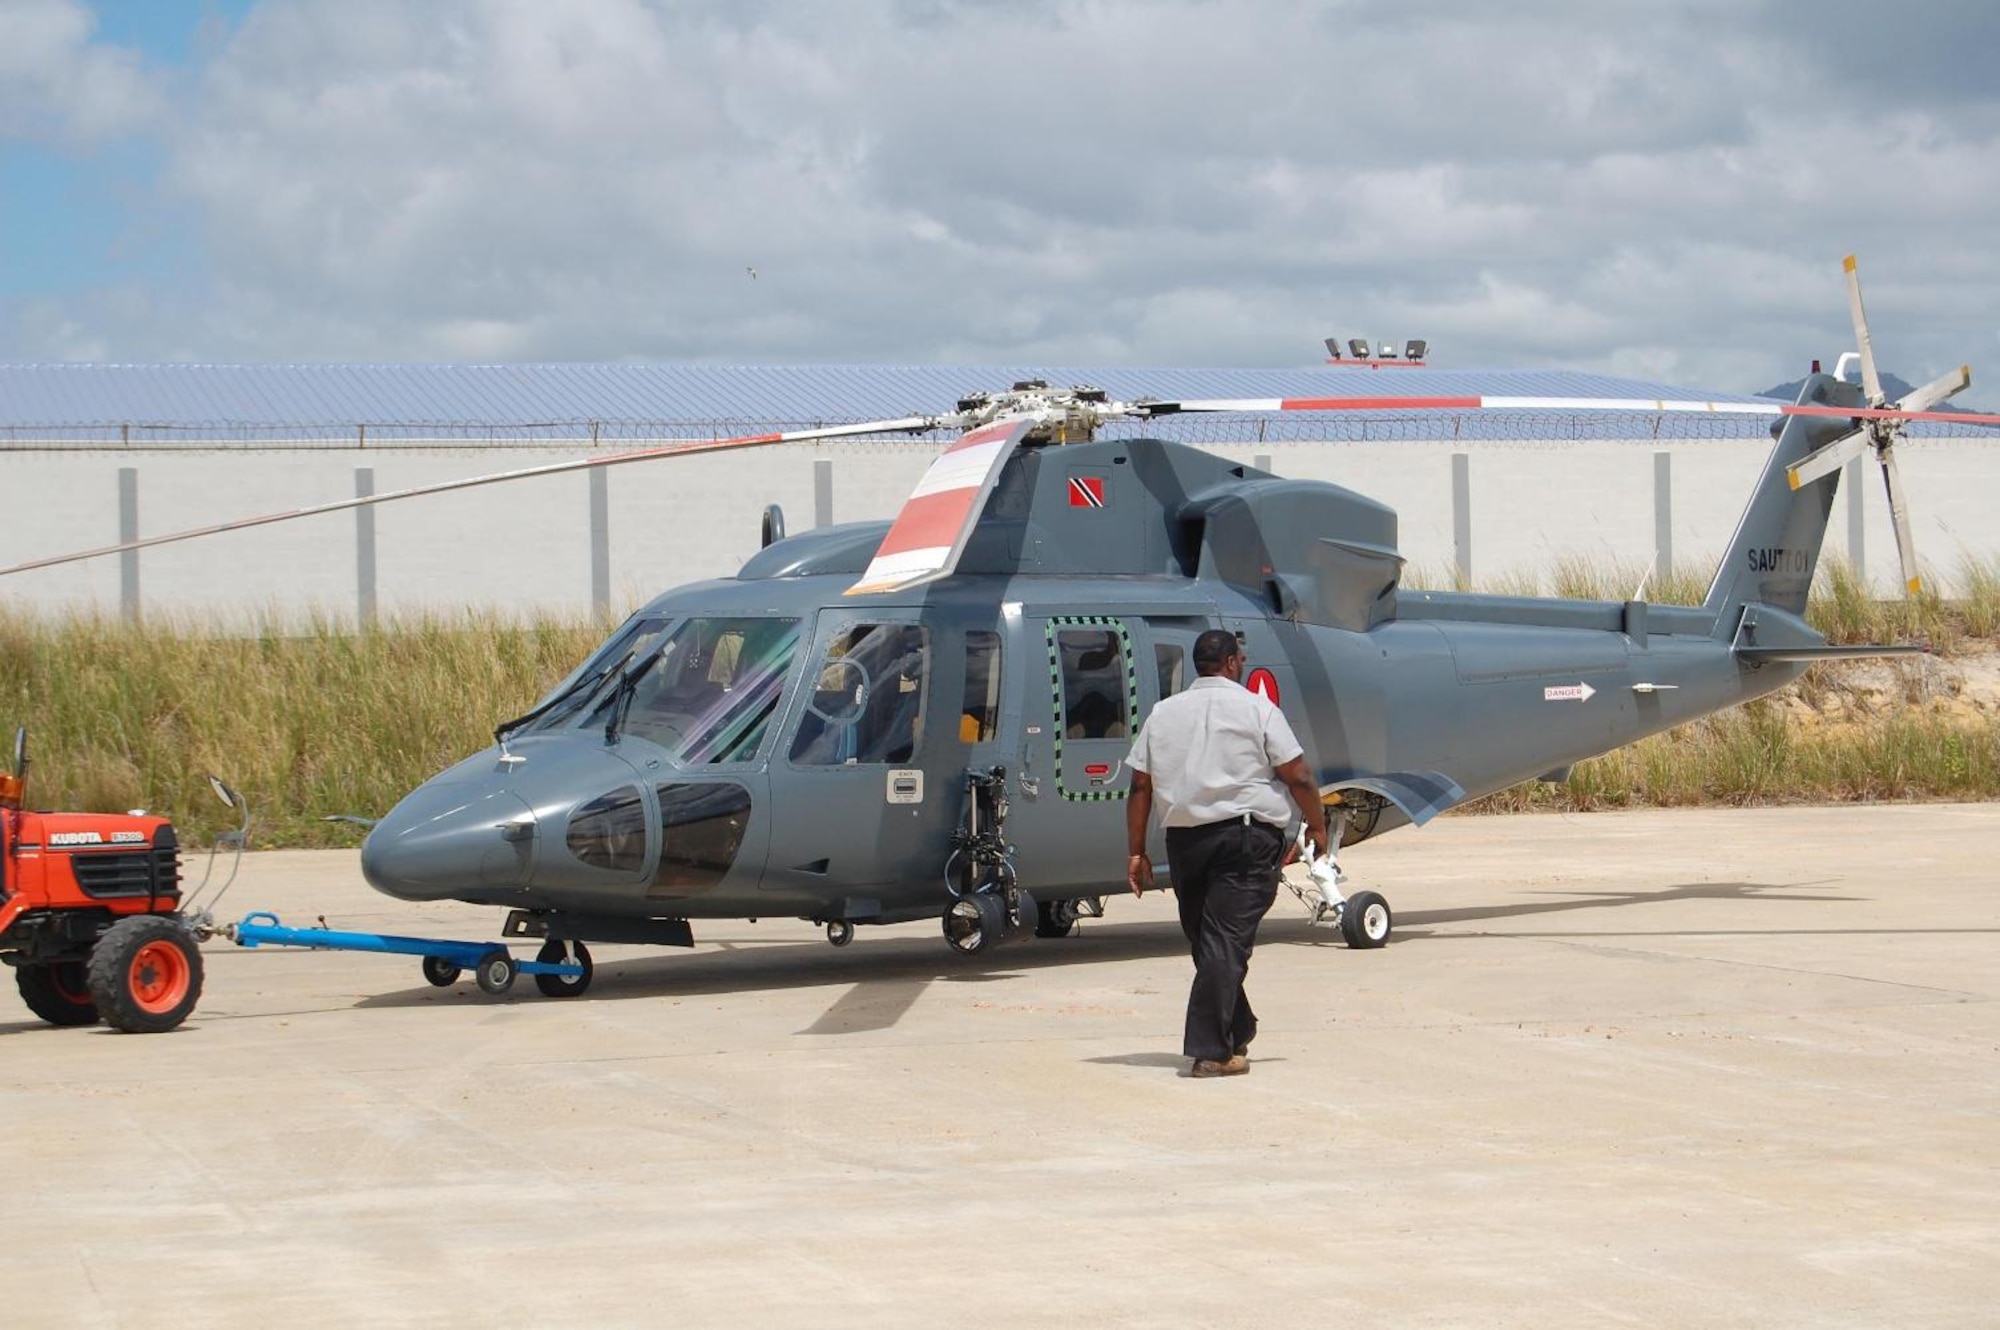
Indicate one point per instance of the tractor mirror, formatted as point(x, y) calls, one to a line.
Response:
point(20, 750)
point(222, 792)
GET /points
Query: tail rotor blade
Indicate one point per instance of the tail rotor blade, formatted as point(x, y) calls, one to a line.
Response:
point(1829, 459)
point(1943, 386)
point(1871, 382)
point(1899, 516)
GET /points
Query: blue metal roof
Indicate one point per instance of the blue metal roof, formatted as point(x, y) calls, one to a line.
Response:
point(328, 403)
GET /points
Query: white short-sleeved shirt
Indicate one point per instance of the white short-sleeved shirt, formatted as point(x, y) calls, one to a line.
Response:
point(1213, 752)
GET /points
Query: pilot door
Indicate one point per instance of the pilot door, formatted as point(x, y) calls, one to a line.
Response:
point(1080, 702)
point(865, 804)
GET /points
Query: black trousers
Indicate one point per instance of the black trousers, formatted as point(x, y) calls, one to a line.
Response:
point(1225, 877)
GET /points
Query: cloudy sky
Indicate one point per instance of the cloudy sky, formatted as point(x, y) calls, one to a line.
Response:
point(1660, 190)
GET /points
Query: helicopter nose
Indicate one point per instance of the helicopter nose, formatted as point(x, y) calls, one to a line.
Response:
point(448, 838)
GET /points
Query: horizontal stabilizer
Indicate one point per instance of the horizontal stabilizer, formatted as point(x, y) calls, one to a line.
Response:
point(1422, 795)
point(1763, 654)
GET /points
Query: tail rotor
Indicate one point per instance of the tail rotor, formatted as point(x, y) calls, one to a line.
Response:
point(1880, 429)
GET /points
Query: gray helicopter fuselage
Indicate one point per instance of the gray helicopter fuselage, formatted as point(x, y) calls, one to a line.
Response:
point(770, 745)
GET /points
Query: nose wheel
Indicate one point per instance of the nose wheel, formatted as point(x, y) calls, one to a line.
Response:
point(564, 951)
point(840, 932)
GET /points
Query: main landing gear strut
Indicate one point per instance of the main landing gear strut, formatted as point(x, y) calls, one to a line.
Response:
point(988, 905)
point(1364, 919)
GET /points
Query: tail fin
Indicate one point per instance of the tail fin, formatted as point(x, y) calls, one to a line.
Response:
point(1776, 547)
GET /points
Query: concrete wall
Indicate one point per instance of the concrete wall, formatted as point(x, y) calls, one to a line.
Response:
point(526, 547)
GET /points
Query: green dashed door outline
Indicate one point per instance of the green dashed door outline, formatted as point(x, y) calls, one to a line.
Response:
point(1054, 624)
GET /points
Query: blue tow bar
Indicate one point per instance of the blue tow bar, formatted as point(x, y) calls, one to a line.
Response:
point(492, 965)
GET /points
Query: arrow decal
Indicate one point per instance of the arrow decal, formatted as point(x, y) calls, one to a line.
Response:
point(1568, 692)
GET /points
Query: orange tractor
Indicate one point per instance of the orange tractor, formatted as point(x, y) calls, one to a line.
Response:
point(90, 913)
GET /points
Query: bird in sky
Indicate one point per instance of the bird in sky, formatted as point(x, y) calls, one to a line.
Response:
point(752, 272)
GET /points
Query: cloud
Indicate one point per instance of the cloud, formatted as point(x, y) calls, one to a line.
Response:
point(1137, 181)
point(58, 86)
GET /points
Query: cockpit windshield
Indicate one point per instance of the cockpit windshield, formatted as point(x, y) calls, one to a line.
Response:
point(705, 690)
point(636, 639)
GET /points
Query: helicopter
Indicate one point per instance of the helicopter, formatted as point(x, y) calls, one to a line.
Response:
point(928, 718)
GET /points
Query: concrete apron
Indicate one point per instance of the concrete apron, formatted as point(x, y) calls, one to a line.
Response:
point(1717, 1067)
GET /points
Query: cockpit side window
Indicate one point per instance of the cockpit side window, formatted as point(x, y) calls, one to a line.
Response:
point(866, 704)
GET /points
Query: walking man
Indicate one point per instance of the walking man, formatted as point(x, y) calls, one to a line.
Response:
point(1220, 759)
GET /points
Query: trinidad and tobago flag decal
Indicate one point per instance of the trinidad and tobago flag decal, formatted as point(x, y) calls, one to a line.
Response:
point(1086, 491)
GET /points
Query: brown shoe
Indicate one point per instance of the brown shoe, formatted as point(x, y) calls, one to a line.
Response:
point(1237, 1065)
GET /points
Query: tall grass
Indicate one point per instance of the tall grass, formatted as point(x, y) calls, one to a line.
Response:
point(1841, 605)
point(1753, 755)
point(305, 719)
point(312, 718)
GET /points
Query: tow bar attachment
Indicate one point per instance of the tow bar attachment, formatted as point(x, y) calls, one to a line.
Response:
point(562, 968)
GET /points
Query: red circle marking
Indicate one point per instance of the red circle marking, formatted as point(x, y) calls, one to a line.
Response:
point(1264, 682)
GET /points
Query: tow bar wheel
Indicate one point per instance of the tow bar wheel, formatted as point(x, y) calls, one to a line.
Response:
point(145, 974)
point(495, 972)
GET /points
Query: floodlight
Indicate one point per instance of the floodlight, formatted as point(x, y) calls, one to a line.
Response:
point(1359, 347)
point(1415, 348)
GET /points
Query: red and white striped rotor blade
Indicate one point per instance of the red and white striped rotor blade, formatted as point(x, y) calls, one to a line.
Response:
point(1892, 413)
point(909, 424)
point(929, 534)
point(1457, 403)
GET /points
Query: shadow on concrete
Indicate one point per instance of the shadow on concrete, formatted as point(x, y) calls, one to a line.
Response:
point(883, 977)
point(1142, 1060)
point(1602, 900)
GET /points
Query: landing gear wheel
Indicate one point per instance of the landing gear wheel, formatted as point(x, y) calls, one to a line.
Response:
point(58, 993)
point(1055, 918)
point(564, 951)
point(495, 973)
point(1365, 922)
point(145, 974)
point(840, 932)
point(439, 972)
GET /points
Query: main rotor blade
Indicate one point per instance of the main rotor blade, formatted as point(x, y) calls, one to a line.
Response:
point(1871, 382)
point(1650, 405)
point(929, 534)
point(909, 424)
point(1899, 517)
point(1827, 460)
point(1251, 405)
point(1943, 386)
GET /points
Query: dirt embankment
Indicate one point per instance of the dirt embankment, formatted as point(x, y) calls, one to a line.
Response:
point(1963, 687)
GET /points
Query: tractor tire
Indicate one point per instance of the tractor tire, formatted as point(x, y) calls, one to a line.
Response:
point(145, 974)
point(59, 993)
